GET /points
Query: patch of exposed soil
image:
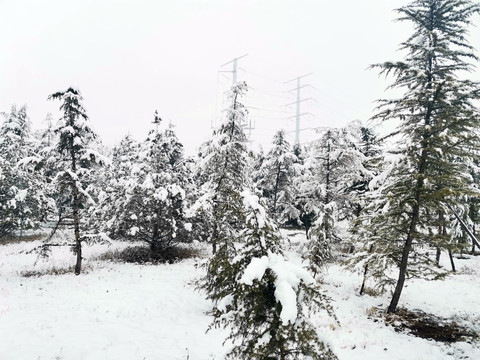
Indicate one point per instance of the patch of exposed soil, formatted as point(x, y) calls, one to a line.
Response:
point(428, 326)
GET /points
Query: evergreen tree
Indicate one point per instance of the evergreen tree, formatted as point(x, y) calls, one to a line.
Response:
point(117, 174)
point(224, 166)
point(23, 202)
point(370, 146)
point(257, 169)
point(337, 168)
point(437, 140)
point(306, 196)
point(7, 221)
point(145, 197)
point(304, 207)
point(268, 304)
point(276, 175)
point(74, 161)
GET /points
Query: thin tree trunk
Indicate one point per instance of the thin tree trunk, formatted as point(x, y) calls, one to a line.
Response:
point(404, 262)
point(450, 255)
point(408, 242)
point(327, 180)
point(365, 271)
point(274, 211)
point(473, 242)
point(76, 207)
point(155, 234)
point(362, 288)
point(76, 223)
point(451, 260)
point(214, 239)
point(465, 227)
point(440, 232)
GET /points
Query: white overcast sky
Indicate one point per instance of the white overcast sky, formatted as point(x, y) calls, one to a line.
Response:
point(129, 58)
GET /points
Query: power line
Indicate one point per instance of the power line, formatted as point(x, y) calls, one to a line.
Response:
point(257, 107)
point(260, 76)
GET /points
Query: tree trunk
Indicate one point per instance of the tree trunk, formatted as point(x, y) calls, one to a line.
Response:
point(465, 227)
point(154, 246)
point(365, 271)
point(408, 242)
point(155, 235)
point(404, 262)
point(327, 180)
point(214, 239)
point(440, 232)
point(473, 242)
point(274, 210)
point(451, 260)
point(76, 216)
point(76, 223)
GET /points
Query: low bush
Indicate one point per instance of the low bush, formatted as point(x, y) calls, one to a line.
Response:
point(143, 255)
point(53, 271)
point(11, 239)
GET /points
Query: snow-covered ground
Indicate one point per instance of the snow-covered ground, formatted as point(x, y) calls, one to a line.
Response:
point(123, 311)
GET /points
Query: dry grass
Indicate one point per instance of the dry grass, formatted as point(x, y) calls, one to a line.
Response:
point(374, 292)
point(373, 312)
point(54, 271)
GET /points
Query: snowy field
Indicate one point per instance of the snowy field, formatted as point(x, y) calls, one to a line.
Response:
point(123, 311)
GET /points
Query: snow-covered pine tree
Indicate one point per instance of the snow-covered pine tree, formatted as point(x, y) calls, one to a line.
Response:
point(257, 171)
point(224, 167)
point(304, 207)
point(305, 196)
point(116, 175)
point(23, 202)
point(200, 218)
point(437, 139)
point(370, 146)
point(7, 221)
point(276, 175)
point(145, 197)
point(337, 167)
point(267, 307)
point(74, 161)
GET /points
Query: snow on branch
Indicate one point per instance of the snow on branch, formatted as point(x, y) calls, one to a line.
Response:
point(288, 279)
